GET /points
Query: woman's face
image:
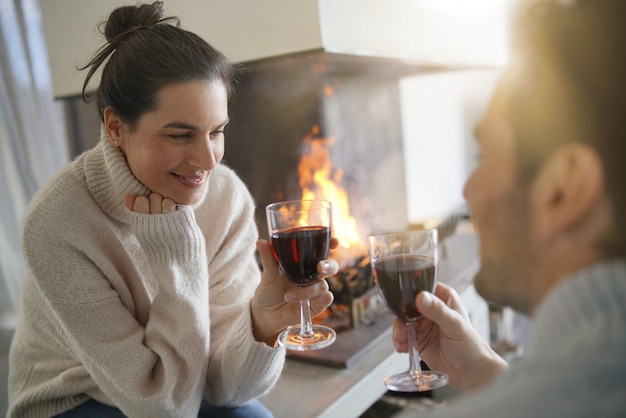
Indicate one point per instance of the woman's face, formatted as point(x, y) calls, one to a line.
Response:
point(173, 149)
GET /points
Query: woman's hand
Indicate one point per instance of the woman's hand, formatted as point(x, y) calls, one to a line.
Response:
point(275, 304)
point(155, 203)
point(448, 342)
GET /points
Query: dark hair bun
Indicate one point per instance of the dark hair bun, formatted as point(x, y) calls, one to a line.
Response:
point(145, 51)
point(128, 18)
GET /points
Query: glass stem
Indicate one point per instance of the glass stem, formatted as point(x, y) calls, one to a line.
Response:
point(306, 326)
point(414, 357)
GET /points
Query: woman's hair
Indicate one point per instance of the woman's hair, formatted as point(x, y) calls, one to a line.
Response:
point(569, 88)
point(145, 52)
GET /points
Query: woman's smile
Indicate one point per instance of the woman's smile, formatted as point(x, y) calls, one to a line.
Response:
point(191, 181)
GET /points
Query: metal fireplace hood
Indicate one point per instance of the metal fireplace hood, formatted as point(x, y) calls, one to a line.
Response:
point(441, 33)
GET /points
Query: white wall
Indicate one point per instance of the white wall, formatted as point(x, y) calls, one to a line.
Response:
point(439, 114)
point(443, 32)
point(447, 32)
point(242, 29)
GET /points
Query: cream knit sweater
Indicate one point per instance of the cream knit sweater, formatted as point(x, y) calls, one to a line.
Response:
point(148, 313)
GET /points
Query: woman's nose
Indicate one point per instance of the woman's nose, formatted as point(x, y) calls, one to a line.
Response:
point(204, 155)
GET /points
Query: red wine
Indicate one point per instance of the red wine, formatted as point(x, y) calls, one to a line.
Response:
point(400, 278)
point(299, 249)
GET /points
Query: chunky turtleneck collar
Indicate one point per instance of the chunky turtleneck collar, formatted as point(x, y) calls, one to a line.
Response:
point(109, 178)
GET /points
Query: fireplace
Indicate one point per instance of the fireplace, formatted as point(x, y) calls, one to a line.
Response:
point(348, 104)
point(327, 126)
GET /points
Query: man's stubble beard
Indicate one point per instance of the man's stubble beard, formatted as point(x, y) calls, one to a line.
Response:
point(504, 277)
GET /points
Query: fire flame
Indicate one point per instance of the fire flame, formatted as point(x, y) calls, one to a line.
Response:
point(318, 179)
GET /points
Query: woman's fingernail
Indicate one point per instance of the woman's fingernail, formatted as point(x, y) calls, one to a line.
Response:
point(290, 297)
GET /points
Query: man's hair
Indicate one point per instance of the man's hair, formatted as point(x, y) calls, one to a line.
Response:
point(568, 86)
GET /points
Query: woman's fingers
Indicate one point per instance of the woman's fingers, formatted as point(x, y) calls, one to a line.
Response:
point(152, 204)
point(168, 205)
point(328, 267)
point(312, 291)
point(267, 257)
point(142, 204)
point(156, 201)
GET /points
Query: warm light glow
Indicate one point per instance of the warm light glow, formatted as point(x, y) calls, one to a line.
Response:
point(320, 180)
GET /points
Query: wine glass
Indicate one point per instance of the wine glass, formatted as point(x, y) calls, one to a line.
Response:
point(404, 264)
point(300, 232)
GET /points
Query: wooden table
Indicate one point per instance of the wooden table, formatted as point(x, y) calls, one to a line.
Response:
point(307, 390)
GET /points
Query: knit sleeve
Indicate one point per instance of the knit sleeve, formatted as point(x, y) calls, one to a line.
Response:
point(128, 302)
point(240, 368)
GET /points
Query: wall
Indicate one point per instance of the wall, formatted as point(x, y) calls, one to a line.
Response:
point(445, 32)
point(439, 114)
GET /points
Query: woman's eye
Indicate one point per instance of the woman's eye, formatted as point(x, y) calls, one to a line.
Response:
point(217, 133)
point(180, 137)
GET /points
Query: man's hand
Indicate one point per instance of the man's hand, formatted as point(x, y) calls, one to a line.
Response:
point(448, 342)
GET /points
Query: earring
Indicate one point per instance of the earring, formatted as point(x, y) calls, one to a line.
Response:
point(115, 143)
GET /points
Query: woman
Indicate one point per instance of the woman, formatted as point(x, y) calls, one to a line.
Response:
point(142, 295)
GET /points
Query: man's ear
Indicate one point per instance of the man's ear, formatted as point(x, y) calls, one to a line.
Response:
point(114, 126)
point(568, 190)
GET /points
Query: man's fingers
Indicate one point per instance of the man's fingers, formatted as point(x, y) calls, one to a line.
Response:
point(399, 335)
point(436, 310)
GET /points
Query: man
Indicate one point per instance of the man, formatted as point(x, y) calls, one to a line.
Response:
point(549, 198)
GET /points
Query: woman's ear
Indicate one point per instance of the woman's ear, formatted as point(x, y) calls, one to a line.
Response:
point(114, 126)
point(568, 190)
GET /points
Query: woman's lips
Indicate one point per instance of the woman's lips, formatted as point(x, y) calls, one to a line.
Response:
point(190, 181)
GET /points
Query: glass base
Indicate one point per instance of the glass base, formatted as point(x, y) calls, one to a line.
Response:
point(411, 382)
point(292, 338)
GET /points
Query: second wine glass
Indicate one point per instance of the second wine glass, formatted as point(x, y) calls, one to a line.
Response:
point(300, 232)
point(403, 265)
